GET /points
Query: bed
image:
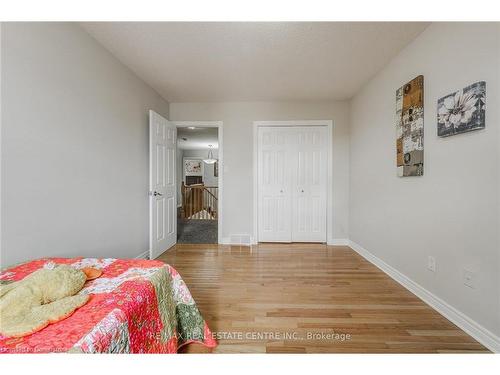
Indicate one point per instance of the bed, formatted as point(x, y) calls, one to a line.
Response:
point(136, 306)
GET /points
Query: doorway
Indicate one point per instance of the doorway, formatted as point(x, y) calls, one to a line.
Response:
point(199, 181)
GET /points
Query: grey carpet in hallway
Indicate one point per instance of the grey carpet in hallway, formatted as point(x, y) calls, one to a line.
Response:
point(197, 231)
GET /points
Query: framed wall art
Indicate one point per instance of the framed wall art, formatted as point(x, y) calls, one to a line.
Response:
point(410, 128)
point(193, 167)
point(462, 111)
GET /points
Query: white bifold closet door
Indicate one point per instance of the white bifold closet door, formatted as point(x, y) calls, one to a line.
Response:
point(274, 181)
point(292, 181)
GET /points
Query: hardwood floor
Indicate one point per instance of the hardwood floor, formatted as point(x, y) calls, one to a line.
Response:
point(282, 298)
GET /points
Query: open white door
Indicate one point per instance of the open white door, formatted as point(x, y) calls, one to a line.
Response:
point(162, 185)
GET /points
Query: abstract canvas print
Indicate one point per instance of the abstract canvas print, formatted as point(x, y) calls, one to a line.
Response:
point(410, 128)
point(462, 111)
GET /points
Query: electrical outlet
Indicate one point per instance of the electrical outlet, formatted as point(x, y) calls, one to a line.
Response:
point(469, 278)
point(431, 263)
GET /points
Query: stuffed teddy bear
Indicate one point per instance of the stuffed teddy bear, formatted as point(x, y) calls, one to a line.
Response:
point(45, 296)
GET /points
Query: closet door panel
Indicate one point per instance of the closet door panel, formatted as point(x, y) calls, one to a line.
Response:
point(309, 177)
point(274, 206)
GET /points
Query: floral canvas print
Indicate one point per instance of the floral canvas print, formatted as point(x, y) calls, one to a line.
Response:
point(462, 111)
point(193, 167)
point(410, 128)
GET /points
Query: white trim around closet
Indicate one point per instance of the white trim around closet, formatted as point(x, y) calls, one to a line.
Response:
point(329, 195)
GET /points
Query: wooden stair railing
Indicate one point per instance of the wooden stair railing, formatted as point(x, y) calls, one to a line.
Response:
point(199, 202)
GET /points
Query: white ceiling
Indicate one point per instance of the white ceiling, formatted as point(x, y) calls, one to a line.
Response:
point(197, 139)
point(238, 61)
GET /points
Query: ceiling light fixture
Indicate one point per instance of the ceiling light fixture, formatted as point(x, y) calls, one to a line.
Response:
point(210, 159)
point(191, 127)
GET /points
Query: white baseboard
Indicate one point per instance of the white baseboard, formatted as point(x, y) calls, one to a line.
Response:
point(481, 334)
point(330, 242)
point(338, 242)
point(238, 240)
point(144, 255)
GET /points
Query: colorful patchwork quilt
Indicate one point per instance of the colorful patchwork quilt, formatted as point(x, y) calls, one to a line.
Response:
point(136, 306)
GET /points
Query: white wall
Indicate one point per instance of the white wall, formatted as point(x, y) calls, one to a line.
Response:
point(74, 146)
point(452, 212)
point(238, 120)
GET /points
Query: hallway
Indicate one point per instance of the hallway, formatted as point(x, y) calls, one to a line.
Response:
point(196, 231)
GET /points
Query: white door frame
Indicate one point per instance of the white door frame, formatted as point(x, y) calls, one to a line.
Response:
point(329, 180)
point(219, 125)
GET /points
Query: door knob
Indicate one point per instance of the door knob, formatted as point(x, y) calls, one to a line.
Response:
point(281, 191)
point(302, 191)
point(156, 194)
